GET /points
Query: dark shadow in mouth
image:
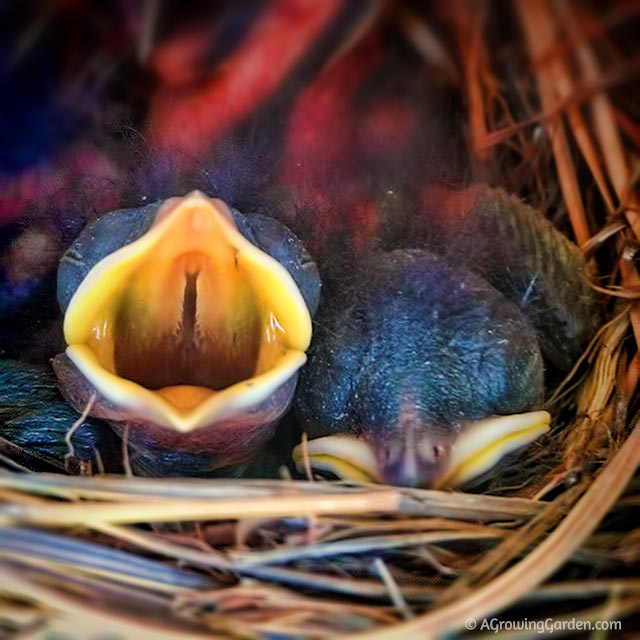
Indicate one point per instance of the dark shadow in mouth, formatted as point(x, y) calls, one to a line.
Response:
point(191, 352)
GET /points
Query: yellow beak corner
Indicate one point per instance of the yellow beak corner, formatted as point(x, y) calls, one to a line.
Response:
point(482, 444)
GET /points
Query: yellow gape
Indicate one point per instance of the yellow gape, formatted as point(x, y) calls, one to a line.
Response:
point(189, 323)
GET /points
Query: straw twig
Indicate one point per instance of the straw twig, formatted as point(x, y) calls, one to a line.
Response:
point(540, 31)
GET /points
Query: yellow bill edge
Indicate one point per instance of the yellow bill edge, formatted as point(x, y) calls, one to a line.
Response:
point(482, 444)
point(345, 456)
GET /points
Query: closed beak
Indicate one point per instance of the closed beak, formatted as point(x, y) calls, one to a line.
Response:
point(475, 451)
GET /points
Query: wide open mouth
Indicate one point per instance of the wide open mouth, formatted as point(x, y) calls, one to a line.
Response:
point(191, 322)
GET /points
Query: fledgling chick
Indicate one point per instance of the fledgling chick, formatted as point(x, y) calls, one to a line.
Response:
point(417, 349)
point(410, 352)
point(186, 323)
point(193, 353)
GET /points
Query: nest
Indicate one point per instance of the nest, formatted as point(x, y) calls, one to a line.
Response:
point(548, 545)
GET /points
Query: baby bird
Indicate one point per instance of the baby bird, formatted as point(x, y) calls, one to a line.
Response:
point(186, 323)
point(417, 349)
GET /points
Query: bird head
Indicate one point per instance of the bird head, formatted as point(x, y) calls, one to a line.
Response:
point(182, 328)
point(409, 373)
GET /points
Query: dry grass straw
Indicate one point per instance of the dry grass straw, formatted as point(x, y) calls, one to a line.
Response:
point(186, 558)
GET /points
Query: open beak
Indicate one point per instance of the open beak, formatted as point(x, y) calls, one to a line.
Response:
point(190, 325)
point(475, 451)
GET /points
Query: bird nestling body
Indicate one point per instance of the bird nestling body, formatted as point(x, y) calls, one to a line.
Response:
point(419, 348)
